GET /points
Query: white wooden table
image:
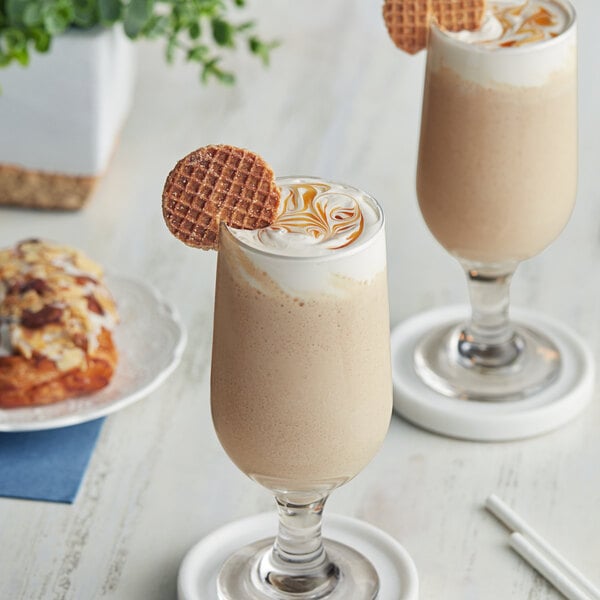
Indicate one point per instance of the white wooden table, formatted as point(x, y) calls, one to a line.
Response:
point(341, 102)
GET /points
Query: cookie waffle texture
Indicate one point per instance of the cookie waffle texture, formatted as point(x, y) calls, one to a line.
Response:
point(37, 189)
point(457, 15)
point(408, 21)
point(217, 184)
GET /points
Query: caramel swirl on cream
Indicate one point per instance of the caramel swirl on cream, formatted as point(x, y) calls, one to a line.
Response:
point(514, 23)
point(314, 218)
point(330, 217)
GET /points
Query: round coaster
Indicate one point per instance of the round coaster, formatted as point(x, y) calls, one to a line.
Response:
point(397, 573)
point(491, 421)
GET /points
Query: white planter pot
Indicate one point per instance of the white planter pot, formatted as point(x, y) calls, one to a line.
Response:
point(60, 118)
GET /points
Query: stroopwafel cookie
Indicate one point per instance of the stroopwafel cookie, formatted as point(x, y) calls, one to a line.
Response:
point(217, 184)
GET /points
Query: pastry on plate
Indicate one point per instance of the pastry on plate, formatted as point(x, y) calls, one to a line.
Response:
point(56, 323)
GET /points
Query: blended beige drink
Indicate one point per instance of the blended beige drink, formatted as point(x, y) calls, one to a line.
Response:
point(301, 383)
point(497, 169)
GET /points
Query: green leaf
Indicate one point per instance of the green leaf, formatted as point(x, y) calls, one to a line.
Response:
point(211, 69)
point(15, 11)
point(85, 13)
point(222, 32)
point(254, 45)
point(197, 53)
point(21, 56)
point(195, 30)
point(32, 15)
point(57, 16)
point(157, 26)
point(14, 40)
point(210, 8)
point(54, 23)
point(261, 49)
point(244, 26)
point(109, 11)
point(170, 51)
point(225, 77)
point(41, 39)
point(14, 46)
point(137, 14)
point(4, 58)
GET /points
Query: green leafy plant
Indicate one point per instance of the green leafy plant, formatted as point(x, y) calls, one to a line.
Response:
point(197, 30)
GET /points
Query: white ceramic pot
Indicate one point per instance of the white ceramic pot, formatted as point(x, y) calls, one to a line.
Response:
point(60, 118)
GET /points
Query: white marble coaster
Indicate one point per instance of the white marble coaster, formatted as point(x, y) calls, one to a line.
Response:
point(564, 399)
point(397, 572)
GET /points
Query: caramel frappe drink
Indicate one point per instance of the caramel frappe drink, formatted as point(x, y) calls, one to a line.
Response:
point(301, 384)
point(498, 156)
point(496, 182)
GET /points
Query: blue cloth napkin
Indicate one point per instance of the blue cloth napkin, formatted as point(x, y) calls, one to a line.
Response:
point(47, 465)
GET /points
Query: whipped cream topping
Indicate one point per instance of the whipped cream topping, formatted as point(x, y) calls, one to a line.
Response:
point(315, 218)
point(513, 23)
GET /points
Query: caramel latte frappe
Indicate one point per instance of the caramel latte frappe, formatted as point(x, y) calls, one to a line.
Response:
point(301, 383)
point(497, 170)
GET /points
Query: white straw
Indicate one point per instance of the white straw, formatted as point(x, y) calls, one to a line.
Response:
point(547, 569)
point(515, 523)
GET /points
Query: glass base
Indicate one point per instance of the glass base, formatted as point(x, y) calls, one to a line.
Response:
point(349, 575)
point(525, 366)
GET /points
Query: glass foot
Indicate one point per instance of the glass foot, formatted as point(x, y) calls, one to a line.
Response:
point(248, 574)
point(525, 365)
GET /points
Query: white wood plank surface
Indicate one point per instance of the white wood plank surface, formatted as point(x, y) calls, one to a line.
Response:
point(341, 102)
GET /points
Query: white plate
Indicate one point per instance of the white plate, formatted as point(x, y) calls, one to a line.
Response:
point(150, 340)
point(397, 572)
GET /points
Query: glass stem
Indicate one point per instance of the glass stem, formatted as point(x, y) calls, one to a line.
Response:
point(297, 562)
point(488, 340)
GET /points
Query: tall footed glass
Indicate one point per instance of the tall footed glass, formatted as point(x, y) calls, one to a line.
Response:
point(301, 381)
point(496, 183)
